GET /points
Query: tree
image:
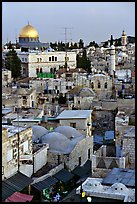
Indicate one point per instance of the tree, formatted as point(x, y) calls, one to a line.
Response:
point(13, 63)
point(93, 43)
point(81, 43)
point(84, 62)
point(62, 99)
point(111, 40)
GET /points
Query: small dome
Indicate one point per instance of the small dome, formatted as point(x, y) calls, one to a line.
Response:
point(56, 141)
point(38, 132)
point(28, 32)
point(68, 131)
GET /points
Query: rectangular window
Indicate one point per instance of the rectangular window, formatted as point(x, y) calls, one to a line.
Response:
point(79, 161)
point(73, 125)
point(56, 87)
point(25, 146)
point(25, 59)
point(55, 58)
point(9, 155)
point(50, 59)
point(88, 153)
point(22, 59)
point(58, 159)
point(37, 59)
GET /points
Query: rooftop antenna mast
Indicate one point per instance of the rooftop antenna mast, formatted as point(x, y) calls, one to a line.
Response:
point(66, 56)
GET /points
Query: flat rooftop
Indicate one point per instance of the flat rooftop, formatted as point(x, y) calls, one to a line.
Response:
point(74, 114)
point(12, 130)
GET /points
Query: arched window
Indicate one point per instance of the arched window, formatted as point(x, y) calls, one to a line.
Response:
point(92, 85)
point(37, 70)
point(51, 70)
point(105, 85)
point(98, 85)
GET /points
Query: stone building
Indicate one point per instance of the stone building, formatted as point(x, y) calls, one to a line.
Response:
point(102, 85)
point(6, 77)
point(19, 97)
point(68, 146)
point(128, 145)
point(79, 119)
point(10, 156)
point(38, 63)
point(83, 98)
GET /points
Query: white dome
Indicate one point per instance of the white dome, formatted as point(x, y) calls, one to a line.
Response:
point(56, 141)
point(68, 131)
point(38, 132)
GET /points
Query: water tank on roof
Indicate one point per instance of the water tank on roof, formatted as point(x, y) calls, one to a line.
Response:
point(44, 118)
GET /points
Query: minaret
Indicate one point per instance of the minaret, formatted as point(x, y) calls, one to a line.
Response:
point(112, 60)
point(124, 38)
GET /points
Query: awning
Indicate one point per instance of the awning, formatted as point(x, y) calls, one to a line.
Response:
point(83, 171)
point(19, 197)
point(46, 183)
point(64, 175)
point(15, 183)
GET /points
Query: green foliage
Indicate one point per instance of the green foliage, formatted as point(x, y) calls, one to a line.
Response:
point(61, 99)
point(81, 43)
point(84, 62)
point(93, 43)
point(13, 63)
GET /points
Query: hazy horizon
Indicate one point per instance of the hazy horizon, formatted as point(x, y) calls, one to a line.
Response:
point(89, 21)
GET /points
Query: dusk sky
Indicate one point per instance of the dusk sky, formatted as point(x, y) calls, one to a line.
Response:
point(84, 20)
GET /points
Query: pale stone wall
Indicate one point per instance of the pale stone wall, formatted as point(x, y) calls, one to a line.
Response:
point(41, 60)
point(10, 167)
point(6, 77)
point(81, 125)
point(26, 169)
point(101, 92)
point(72, 160)
point(129, 146)
point(40, 158)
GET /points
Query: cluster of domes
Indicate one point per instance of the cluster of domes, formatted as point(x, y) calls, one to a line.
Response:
point(63, 139)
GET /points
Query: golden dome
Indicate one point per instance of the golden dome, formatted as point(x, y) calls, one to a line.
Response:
point(28, 32)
